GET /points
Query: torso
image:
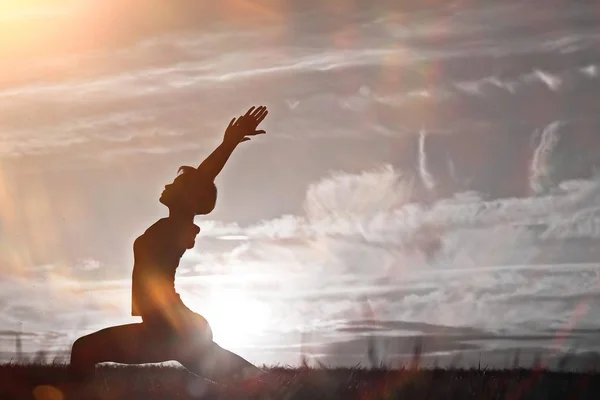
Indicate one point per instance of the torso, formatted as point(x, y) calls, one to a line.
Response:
point(156, 257)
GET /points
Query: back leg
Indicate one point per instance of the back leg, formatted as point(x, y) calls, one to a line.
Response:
point(199, 354)
point(219, 365)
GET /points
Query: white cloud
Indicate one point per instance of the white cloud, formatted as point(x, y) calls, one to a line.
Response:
point(90, 264)
point(590, 71)
point(51, 302)
point(540, 170)
point(350, 196)
point(89, 107)
point(377, 206)
point(584, 223)
point(515, 85)
point(360, 230)
point(426, 176)
point(552, 81)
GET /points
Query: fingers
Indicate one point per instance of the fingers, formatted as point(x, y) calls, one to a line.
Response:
point(255, 113)
point(259, 113)
point(260, 132)
point(257, 110)
point(249, 111)
point(231, 123)
point(254, 116)
point(260, 117)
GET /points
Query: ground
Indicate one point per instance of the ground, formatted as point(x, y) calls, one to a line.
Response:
point(113, 382)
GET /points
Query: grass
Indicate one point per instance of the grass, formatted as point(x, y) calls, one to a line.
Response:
point(38, 381)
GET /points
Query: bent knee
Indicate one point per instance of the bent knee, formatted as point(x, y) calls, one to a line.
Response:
point(195, 328)
point(203, 328)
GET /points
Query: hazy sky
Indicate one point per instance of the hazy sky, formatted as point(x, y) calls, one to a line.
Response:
point(432, 168)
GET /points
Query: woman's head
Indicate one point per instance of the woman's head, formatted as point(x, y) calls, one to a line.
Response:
point(190, 193)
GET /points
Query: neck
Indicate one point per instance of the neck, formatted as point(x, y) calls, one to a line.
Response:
point(181, 216)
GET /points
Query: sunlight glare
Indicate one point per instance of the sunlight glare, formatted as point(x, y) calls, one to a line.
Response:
point(235, 318)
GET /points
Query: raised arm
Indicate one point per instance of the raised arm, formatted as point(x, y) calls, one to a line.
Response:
point(239, 130)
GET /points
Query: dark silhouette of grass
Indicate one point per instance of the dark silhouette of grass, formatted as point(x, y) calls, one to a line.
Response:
point(38, 381)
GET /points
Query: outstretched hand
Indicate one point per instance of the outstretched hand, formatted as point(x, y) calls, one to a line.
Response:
point(239, 130)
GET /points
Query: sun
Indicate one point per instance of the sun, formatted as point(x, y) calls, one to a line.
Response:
point(236, 318)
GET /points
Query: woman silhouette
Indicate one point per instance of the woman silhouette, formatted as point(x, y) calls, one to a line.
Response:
point(169, 330)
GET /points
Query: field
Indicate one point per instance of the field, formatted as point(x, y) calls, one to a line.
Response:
point(170, 383)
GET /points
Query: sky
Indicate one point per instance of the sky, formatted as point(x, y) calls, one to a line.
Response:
point(429, 173)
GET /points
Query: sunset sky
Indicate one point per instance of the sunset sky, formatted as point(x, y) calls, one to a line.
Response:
point(428, 172)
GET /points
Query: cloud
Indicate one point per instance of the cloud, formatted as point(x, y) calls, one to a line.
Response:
point(526, 81)
point(13, 333)
point(348, 196)
point(584, 223)
point(90, 264)
point(552, 81)
point(358, 229)
point(378, 206)
point(58, 308)
point(426, 176)
point(159, 94)
point(590, 70)
point(81, 97)
point(79, 100)
point(541, 167)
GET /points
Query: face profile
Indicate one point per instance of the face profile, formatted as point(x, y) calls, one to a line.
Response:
point(189, 194)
